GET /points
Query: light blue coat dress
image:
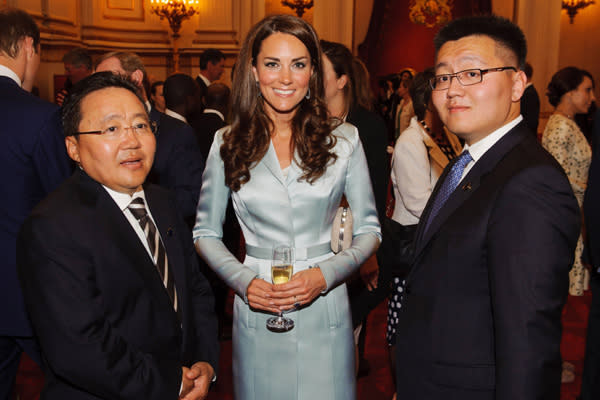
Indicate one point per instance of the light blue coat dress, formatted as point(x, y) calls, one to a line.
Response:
point(315, 360)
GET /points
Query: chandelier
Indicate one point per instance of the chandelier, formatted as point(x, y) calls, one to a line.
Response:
point(430, 12)
point(573, 6)
point(298, 5)
point(175, 11)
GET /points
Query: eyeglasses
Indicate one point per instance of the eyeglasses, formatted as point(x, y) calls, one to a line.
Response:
point(467, 77)
point(114, 132)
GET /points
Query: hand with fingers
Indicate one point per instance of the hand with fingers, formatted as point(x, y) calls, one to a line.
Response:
point(260, 295)
point(302, 289)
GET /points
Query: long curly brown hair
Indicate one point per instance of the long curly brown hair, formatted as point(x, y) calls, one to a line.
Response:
point(246, 143)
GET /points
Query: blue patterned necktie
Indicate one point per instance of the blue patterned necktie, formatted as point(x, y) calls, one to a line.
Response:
point(449, 185)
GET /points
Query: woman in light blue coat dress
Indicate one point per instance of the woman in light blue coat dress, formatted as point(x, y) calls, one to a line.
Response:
point(286, 166)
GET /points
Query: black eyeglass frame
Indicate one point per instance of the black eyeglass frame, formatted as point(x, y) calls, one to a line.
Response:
point(455, 75)
point(153, 128)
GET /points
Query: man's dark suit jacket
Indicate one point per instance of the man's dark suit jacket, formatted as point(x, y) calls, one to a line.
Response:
point(590, 381)
point(178, 163)
point(481, 314)
point(202, 87)
point(205, 125)
point(530, 108)
point(106, 325)
point(33, 162)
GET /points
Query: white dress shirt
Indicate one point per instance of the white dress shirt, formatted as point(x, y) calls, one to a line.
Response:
point(175, 115)
point(123, 200)
point(9, 73)
point(213, 111)
point(204, 79)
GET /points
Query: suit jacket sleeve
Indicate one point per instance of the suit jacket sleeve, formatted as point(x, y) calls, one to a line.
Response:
point(531, 241)
point(49, 154)
point(79, 344)
point(203, 306)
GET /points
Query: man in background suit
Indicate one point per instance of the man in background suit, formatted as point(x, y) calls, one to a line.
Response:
point(78, 65)
point(481, 313)
point(178, 164)
point(590, 382)
point(33, 162)
point(212, 65)
point(530, 102)
point(216, 101)
point(108, 268)
point(181, 93)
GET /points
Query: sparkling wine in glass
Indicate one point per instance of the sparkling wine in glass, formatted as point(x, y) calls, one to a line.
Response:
point(282, 267)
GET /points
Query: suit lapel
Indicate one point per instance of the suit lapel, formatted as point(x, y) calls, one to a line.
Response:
point(469, 185)
point(272, 163)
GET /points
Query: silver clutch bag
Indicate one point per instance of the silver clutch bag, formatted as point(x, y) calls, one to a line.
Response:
point(341, 232)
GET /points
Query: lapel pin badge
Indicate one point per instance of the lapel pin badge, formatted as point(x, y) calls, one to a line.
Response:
point(466, 186)
point(169, 231)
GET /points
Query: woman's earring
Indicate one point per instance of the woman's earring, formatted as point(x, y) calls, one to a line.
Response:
point(258, 89)
point(307, 94)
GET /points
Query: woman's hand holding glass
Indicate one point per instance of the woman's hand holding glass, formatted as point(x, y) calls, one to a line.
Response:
point(302, 289)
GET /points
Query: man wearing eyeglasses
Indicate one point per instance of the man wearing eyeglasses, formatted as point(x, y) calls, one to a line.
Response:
point(480, 316)
point(108, 268)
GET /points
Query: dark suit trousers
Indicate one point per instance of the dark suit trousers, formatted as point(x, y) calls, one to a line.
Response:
point(11, 349)
point(590, 385)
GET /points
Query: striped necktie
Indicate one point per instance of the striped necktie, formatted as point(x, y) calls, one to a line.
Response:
point(449, 185)
point(159, 255)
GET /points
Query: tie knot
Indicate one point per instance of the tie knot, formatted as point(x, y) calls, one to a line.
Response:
point(138, 208)
point(464, 159)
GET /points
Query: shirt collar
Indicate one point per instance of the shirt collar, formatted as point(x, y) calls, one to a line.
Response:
point(213, 111)
point(478, 149)
point(9, 73)
point(123, 199)
point(205, 79)
point(173, 114)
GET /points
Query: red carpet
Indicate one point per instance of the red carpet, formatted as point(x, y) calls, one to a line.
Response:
point(377, 385)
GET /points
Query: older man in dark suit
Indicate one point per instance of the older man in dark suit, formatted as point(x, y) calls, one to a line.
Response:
point(33, 162)
point(481, 314)
point(178, 164)
point(108, 268)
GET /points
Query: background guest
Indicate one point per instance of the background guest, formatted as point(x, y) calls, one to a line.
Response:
point(212, 65)
point(530, 102)
point(78, 64)
point(348, 98)
point(181, 95)
point(571, 91)
point(33, 162)
point(157, 98)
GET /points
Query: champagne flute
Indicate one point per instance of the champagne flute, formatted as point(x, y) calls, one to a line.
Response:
point(282, 267)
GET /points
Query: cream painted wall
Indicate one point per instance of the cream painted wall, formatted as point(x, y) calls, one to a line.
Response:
point(106, 25)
